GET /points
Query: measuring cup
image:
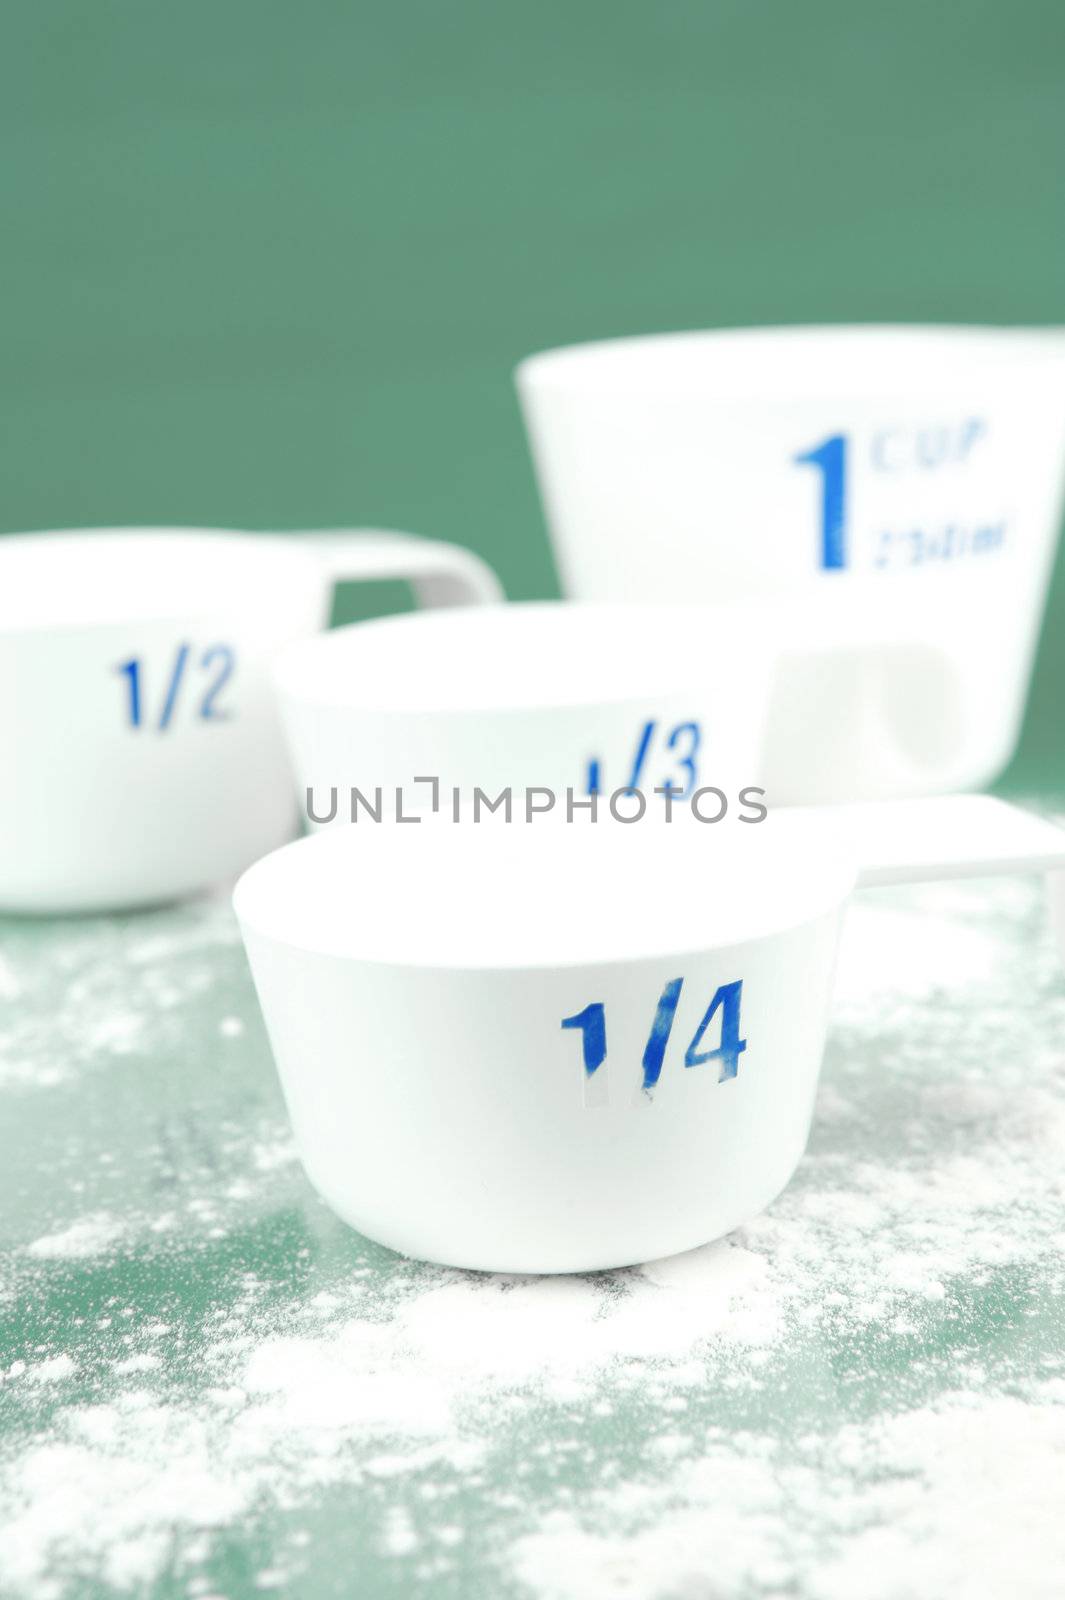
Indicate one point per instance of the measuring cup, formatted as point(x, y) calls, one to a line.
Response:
point(141, 750)
point(564, 696)
point(552, 1048)
point(926, 462)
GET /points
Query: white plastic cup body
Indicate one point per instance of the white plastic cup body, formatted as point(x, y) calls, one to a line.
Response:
point(541, 696)
point(140, 743)
point(925, 461)
point(444, 1105)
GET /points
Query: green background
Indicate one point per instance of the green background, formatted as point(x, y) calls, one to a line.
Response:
point(270, 265)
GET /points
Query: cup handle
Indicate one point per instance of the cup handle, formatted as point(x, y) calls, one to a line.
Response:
point(949, 836)
point(870, 677)
point(440, 574)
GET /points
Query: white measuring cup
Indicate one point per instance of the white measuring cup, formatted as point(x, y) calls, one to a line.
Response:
point(816, 462)
point(141, 751)
point(561, 696)
point(552, 1048)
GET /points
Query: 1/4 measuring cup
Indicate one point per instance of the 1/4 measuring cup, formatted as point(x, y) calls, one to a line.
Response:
point(556, 1048)
point(139, 737)
point(924, 462)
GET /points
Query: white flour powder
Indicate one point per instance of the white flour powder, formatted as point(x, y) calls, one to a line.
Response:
point(965, 1499)
point(91, 1236)
point(860, 1396)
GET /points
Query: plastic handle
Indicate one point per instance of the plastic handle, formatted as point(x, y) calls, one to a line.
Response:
point(867, 698)
point(440, 574)
point(950, 836)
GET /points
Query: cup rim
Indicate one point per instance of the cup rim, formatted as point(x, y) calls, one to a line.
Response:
point(59, 607)
point(627, 363)
point(264, 906)
point(341, 667)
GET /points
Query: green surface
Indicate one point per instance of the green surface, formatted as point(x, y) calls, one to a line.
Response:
point(211, 1387)
point(271, 265)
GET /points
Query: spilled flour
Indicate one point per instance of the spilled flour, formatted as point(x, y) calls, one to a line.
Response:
point(964, 1499)
point(90, 1236)
point(208, 1387)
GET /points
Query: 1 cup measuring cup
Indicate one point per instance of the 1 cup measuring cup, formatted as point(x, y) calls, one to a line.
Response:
point(926, 462)
point(141, 750)
point(542, 1047)
point(561, 696)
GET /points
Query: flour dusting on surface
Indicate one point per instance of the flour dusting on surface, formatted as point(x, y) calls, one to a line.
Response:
point(961, 1499)
point(858, 1396)
point(89, 1236)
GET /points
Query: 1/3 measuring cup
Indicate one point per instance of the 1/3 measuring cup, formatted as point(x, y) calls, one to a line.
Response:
point(926, 462)
point(556, 1048)
point(559, 695)
point(141, 751)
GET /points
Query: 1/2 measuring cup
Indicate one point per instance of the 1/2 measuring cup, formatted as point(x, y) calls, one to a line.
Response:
point(542, 1047)
point(924, 462)
point(559, 695)
point(139, 737)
